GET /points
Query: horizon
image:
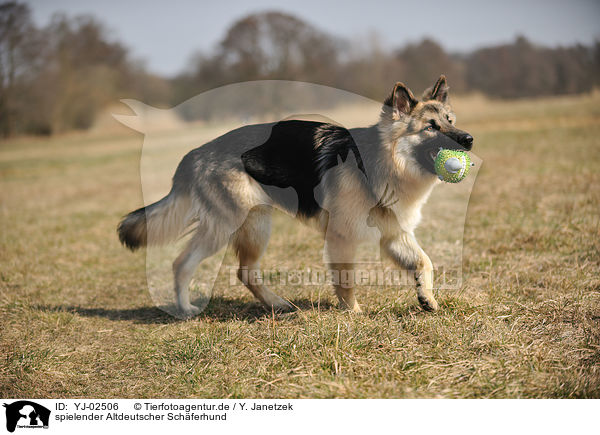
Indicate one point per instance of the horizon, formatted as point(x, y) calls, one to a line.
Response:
point(168, 37)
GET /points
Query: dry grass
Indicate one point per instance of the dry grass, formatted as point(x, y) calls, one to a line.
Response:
point(77, 320)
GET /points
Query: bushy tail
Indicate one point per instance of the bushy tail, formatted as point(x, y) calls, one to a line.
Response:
point(156, 224)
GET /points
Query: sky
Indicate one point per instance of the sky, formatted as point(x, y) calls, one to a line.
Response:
point(165, 34)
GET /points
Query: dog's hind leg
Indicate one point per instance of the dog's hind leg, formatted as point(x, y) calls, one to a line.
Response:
point(198, 248)
point(250, 241)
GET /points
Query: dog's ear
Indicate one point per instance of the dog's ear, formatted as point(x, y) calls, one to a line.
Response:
point(438, 92)
point(402, 101)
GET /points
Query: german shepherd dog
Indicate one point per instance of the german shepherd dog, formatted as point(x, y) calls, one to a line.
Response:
point(225, 190)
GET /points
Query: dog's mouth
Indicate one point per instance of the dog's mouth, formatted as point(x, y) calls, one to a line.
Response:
point(426, 152)
point(433, 155)
point(426, 155)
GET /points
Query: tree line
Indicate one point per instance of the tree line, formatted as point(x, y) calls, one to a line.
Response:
point(59, 77)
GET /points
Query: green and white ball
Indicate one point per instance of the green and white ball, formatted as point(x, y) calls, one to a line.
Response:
point(452, 166)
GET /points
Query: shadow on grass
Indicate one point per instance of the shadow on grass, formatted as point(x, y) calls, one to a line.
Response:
point(219, 309)
point(146, 315)
point(222, 309)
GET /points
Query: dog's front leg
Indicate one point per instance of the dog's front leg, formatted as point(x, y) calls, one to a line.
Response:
point(340, 253)
point(424, 282)
point(405, 251)
point(344, 286)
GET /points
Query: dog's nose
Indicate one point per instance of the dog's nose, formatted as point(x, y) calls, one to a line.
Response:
point(466, 141)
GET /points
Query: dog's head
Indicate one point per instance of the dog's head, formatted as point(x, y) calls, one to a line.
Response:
point(415, 130)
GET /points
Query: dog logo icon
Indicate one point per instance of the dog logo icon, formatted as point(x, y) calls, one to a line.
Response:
point(26, 414)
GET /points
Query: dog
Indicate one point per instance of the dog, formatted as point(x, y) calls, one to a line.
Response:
point(226, 189)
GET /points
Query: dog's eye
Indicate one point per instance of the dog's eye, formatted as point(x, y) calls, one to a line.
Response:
point(432, 126)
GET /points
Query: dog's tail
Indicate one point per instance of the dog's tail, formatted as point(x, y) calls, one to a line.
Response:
point(156, 224)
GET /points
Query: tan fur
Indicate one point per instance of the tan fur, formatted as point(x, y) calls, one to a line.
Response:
point(250, 242)
point(166, 224)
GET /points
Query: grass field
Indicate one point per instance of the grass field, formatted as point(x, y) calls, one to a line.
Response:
point(77, 319)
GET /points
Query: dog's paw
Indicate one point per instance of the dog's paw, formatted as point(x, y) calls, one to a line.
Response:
point(283, 307)
point(189, 311)
point(355, 308)
point(280, 306)
point(428, 303)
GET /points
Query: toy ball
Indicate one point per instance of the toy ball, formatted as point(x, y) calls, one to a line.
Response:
point(452, 166)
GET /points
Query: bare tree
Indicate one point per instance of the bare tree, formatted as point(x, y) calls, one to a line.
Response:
point(17, 58)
